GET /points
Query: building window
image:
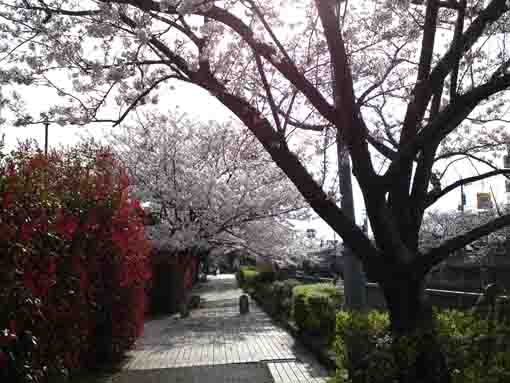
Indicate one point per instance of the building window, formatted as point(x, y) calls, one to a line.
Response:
point(506, 161)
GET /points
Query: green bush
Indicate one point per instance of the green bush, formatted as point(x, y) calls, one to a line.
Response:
point(276, 297)
point(478, 350)
point(252, 279)
point(247, 277)
point(362, 345)
point(282, 297)
point(314, 308)
point(265, 276)
point(475, 350)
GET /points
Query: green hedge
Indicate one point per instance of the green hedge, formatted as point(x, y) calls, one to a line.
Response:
point(282, 297)
point(475, 350)
point(276, 297)
point(314, 308)
point(478, 350)
point(253, 278)
point(246, 276)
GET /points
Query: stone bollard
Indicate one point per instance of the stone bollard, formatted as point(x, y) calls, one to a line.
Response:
point(244, 304)
point(194, 302)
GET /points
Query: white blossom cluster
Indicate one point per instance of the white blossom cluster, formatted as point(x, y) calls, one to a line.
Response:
point(206, 181)
point(186, 6)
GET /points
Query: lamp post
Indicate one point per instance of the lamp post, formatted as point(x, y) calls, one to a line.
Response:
point(506, 165)
point(46, 126)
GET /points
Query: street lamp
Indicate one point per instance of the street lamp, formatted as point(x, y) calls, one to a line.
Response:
point(46, 126)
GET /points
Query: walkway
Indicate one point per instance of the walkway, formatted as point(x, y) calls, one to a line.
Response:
point(216, 344)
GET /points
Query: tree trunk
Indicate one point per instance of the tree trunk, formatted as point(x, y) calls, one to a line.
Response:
point(412, 317)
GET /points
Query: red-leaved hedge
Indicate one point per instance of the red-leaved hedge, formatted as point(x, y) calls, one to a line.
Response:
point(73, 263)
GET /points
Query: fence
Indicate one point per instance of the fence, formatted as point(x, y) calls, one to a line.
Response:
point(444, 299)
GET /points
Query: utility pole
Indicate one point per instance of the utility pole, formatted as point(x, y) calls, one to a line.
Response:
point(462, 199)
point(354, 278)
point(46, 126)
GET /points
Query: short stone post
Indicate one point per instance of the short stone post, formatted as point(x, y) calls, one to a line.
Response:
point(244, 304)
point(194, 302)
point(184, 307)
point(184, 310)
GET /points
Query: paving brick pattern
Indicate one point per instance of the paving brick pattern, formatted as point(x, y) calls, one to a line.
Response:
point(229, 373)
point(220, 345)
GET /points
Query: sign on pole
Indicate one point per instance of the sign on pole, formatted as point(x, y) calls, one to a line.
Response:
point(483, 201)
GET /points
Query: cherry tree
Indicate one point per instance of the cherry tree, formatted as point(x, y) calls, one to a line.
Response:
point(405, 87)
point(207, 184)
point(439, 226)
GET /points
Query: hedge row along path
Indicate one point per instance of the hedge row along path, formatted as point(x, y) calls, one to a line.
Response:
point(218, 345)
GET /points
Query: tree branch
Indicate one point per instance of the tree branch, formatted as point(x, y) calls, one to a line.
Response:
point(381, 148)
point(459, 28)
point(297, 173)
point(441, 253)
point(395, 62)
point(418, 104)
point(64, 12)
point(434, 196)
point(490, 14)
point(269, 30)
point(447, 121)
point(348, 119)
point(269, 94)
point(286, 68)
point(142, 95)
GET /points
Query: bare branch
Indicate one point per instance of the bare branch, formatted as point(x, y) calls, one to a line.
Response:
point(494, 10)
point(394, 63)
point(448, 120)
point(289, 110)
point(434, 196)
point(143, 94)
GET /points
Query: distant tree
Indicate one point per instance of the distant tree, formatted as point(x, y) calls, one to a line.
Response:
point(408, 85)
point(207, 184)
point(439, 226)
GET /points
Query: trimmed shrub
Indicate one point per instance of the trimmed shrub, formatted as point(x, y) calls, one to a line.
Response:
point(314, 308)
point(263, 293)
point(247, 277)
point(476, 350)
point(362, 346)
point(276, 297)
point(265, 276)
point(282, 297)
point(73, 264)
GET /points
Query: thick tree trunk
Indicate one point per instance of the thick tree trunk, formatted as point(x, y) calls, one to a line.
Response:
point(412, 317)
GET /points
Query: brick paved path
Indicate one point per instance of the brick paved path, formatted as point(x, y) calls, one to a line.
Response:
point(216, 344)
